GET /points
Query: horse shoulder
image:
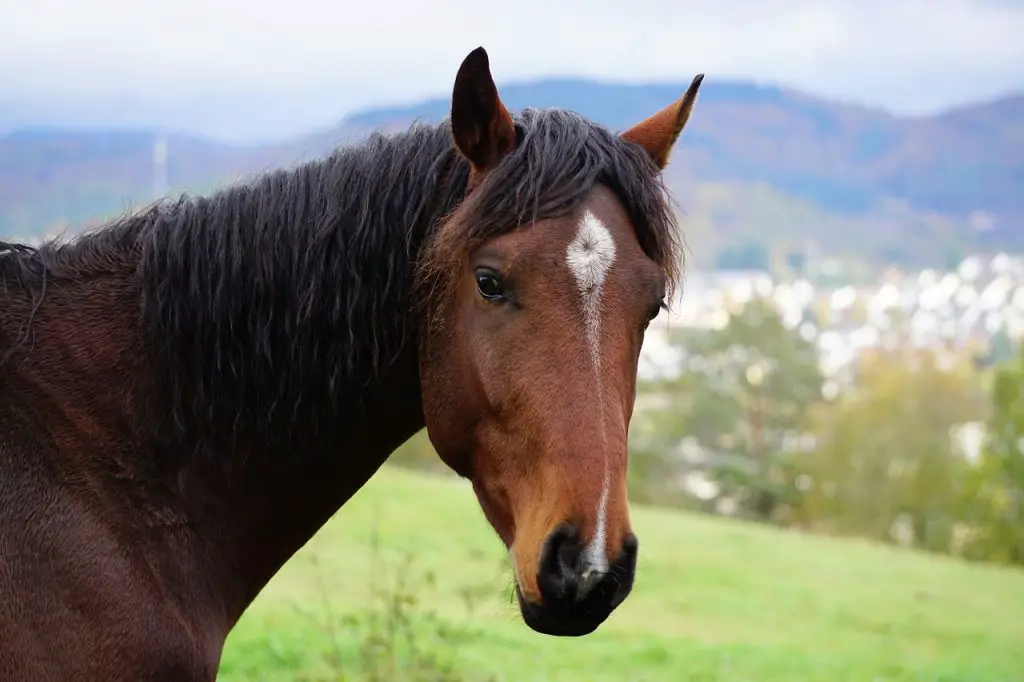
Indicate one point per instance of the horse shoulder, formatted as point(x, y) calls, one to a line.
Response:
point(75, 601)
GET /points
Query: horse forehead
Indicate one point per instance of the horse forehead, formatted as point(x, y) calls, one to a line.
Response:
point(596, 241)
point(603, 222)
point(600, 241)
point(591, 253)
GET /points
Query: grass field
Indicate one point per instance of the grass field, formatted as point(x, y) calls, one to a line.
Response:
point(714, 600)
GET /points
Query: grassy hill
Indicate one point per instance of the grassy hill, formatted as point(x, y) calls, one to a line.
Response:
point(757, 164)
point(714, 600)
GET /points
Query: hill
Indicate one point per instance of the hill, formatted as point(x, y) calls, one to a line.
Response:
point(758, 166)
point(842, 157)
point(714, 600)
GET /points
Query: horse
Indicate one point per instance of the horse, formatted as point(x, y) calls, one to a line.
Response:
point(190, 391)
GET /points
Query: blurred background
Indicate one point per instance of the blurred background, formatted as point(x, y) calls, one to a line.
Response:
point(826, 461)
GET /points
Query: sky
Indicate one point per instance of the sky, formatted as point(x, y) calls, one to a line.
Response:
point(265, 68)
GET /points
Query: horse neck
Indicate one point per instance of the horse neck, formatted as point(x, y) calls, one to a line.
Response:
point(79, 407)
point(69, 360)
point(216, 520)
point(259, 510)
point(263, 499)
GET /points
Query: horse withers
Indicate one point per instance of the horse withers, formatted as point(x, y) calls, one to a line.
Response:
point(189, 393)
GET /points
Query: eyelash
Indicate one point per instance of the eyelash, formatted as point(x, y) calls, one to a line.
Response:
point(654, 312)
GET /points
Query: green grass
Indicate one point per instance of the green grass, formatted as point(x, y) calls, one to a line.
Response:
point(714, 600)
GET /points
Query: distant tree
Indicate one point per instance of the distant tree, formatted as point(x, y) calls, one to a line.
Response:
point(954, 256)
point(658, 465)
point(744, 256)
point(1001, 350)
point(887, 466)
point(796, 261)
point(736, 415)
point(993, 501)
point(896, 254)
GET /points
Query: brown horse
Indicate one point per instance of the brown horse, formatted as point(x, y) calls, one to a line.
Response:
point(188, 394)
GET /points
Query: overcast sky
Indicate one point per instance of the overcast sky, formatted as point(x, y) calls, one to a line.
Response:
point(269, 67)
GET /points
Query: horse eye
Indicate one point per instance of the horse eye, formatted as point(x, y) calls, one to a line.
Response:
point(655, 311)
point(489, 285)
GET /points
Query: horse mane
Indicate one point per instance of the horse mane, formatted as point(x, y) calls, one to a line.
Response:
point(271, 303)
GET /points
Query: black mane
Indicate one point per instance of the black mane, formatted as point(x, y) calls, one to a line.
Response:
point(270, 303)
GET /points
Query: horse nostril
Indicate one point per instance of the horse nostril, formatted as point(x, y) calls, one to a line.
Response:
point(559, 561)
point(578, 585)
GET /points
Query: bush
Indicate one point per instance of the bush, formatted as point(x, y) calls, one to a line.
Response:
point(396, 638)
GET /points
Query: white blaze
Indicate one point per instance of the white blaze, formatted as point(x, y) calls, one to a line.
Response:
point(590, 256)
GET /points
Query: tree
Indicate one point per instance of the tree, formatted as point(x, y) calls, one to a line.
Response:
point(658, 464)
point(796, 261)
point(994, 495)
point(1001, 350)
point(887, 465)
point(736, 415)
point(748, 255)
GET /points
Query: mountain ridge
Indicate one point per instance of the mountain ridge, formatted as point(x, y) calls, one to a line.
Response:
point(897, 177)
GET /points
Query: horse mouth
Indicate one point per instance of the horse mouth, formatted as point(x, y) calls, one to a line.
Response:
point(571, 617)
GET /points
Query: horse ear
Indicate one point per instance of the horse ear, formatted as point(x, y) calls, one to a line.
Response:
point(658, 133)
point(482, 128)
